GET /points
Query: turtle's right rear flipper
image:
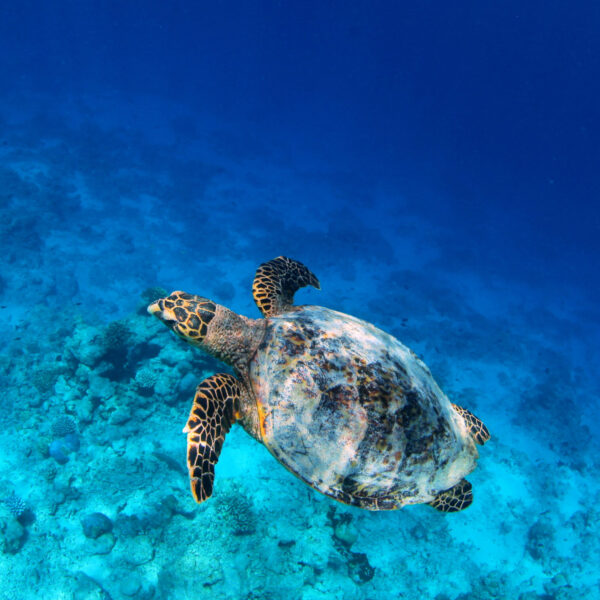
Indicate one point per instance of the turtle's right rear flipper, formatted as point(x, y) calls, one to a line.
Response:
point(216, 403)
point(456, 498)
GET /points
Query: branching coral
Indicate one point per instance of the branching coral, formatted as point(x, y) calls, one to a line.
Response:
point(63, 426)
point(146, 379)
point(16, 505)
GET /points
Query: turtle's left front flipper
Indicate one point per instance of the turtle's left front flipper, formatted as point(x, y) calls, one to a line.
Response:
point(214, 411)
point(276, 282)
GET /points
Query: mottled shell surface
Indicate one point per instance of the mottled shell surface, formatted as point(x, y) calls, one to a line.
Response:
point(355, 413)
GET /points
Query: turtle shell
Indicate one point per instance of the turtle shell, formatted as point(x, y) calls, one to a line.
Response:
point(354, 413)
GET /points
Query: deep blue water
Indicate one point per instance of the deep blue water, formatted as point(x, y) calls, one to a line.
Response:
point(434, 164)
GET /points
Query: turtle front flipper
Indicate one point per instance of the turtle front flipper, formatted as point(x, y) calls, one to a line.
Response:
point(216, 405)
point(276, 282)
point(456, 498)
point(479, 432)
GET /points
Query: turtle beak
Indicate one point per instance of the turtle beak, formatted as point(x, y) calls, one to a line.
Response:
point(165, 315)
point(155, 309)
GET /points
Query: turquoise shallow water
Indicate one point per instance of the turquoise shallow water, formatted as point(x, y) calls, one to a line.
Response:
point(143, 153)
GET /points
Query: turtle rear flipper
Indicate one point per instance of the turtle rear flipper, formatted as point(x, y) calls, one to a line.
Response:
point(213, 413)
point(479, 432)
point(456, 498)
point(276, 282)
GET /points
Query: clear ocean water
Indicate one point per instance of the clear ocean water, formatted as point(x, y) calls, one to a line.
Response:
point(436, 165)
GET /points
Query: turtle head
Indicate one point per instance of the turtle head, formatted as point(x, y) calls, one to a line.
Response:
point(219, 331)
point(187, 315)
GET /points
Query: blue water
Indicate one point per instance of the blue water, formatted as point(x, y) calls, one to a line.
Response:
point(435, 165)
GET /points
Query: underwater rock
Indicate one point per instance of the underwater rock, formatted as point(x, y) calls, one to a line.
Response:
point(346, 532)
point(120, 416)
point(58, 452)
point(530, 595)
point(130, 585)
point(165, 389)
point(540, 539)
point(44, 380)
point(359, 569)
point(96, 524)
point(50, 472)
point(560, 588)
point(171, 505)
point(100, 388)
point(60, 449)
point(60, 493)
point(188, 384)
point(101, 545)
point(493, 584)
point(14, 536)
point(171, 462)
point(87, 588)
point(85, 410)
point(172, 356)
point(344, 535)
point(71, 442)
point(83, 346)
point(137, 551)
point(129, 525)
point(70, 389)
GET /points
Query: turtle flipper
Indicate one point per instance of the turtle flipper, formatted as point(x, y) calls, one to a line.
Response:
point(479, 432)
point(276, 282)
point(214, 412)
point(456, 498)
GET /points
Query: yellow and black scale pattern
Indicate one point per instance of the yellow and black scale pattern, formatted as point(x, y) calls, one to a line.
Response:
point(190, 315)
point(455, 499)
point(276, 282)
point(479, 432)
point(214, 411)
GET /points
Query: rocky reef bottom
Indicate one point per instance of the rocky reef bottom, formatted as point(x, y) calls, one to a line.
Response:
point(95, 498)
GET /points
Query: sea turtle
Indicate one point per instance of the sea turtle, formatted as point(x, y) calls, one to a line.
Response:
point(343, 405)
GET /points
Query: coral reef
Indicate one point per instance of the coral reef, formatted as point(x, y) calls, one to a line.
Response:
point(540, 539)
point(345, 535)
point(12, 536)
point(44, 380)
point(146, 380)
point(235, 509)
point(63, 426)
point(16, 505)
point(115, 342)
point(151, 294)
